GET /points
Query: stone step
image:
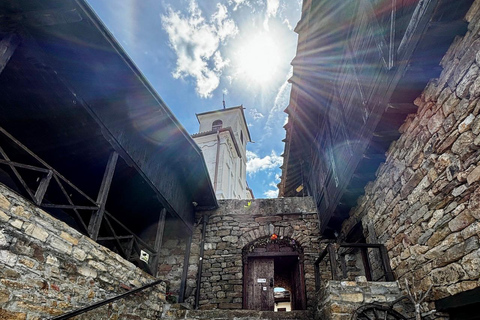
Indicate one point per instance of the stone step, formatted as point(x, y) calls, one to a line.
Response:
point(218, 314)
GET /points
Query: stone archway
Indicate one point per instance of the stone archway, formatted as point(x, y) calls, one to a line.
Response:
point(268, 261)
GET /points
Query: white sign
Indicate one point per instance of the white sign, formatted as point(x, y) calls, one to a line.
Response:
point(261, 280)
point(144, 256)
point(264, 288)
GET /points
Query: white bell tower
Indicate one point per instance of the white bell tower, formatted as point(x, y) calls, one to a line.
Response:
point(223, 138)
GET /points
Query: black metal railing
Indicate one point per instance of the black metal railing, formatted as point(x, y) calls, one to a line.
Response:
point(50, 190)
point(337, 262)
point(96, 305)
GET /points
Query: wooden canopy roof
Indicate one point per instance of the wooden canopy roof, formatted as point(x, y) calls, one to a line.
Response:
point(71, 94)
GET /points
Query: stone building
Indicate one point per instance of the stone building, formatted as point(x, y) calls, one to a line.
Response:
point(383, 186)
point(223, 136)
point(389, 93)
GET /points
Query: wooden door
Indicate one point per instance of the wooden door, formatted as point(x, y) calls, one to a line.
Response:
point(260, 284)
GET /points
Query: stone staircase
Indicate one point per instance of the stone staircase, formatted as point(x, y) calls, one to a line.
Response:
point(218, 314)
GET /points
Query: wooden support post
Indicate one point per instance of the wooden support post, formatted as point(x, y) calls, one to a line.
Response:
point(158, 240)
point(317, 277)
point(389, 276)
point(366, 263)
point(183, 284)
point(333, 261)
point(8, 45)
point(42, 187)
point(96, 218)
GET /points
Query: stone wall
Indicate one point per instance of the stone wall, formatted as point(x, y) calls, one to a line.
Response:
point(47, 268)
point(338, 300)
point(172, 255)
point(425, 203)
point(234, 225)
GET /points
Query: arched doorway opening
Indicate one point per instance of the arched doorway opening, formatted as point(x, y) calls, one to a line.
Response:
point(270, 263)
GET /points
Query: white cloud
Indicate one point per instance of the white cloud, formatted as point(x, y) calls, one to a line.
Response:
point(287, 23)
point(276, 117)
point(197, 43)
point(271, 193)
point(272, 8)
point(256, 164)
point(238, 3)
point(256, 114)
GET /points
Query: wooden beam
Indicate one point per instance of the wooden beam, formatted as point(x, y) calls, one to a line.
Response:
point(66, 206)
point(333, 261)
point(96, 219)
point(8, 45)
point(390, 135)
point(401, 108)
point(272, 254)
point(158, 240)
point(113, 238)
point(24, 166)
point(389, 275)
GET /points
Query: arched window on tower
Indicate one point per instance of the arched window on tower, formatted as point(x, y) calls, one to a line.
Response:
point(241, 136)
point(217, 125)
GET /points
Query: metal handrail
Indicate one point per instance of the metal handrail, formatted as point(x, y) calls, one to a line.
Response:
point(96, 305)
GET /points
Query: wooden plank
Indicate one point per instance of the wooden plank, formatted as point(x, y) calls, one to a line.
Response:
point(317, 277)
point(8, 45)
point(66, 206)
point(113, 238)
point(401, 108)
point(158, 239)
point(389, 276)
point(262, 269)
point(96, 219)
point(366, 263)
point(52, 17)
point(24, 166)
point(271, 254)
point(333, 261)
point(459, 300)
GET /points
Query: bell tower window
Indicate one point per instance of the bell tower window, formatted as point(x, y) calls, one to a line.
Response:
point(217, 125)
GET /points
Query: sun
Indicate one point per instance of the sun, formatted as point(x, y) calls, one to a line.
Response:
point(259, 59)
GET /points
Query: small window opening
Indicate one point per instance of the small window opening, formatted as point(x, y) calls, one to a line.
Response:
point(217, 125)
point(241, 136)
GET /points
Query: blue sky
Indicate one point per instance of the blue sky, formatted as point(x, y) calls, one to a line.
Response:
point(193, 52)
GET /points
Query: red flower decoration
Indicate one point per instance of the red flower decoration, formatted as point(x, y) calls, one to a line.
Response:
point(274, 237)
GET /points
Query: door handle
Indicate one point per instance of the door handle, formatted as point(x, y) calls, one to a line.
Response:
point(271, 282)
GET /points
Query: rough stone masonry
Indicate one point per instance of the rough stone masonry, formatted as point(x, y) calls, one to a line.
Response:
point(425, 203)
point(234, 225)
point(47, 268)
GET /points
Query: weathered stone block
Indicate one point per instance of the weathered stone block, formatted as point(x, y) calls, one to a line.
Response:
point(36, 231)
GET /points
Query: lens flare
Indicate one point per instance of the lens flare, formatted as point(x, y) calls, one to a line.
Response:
point(259, 59)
